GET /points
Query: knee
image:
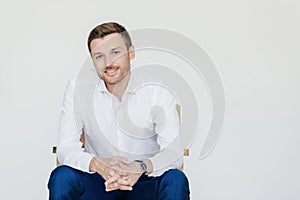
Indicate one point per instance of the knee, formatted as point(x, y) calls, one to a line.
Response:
point(175, 176)
point(174, 185)
point(62, 173)
point(63, 180)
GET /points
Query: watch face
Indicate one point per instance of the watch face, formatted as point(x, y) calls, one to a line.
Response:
point(144, 167)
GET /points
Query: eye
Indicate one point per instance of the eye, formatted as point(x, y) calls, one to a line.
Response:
point(115, 52)
point(98, 57)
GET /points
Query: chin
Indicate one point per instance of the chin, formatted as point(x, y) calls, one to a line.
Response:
point(112, 80)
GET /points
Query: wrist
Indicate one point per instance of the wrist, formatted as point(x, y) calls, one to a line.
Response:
point(149, 166)
point(96, 162)
point(92, 165)
point(144, 166)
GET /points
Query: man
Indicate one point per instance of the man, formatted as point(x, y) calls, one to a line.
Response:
point(131, 126)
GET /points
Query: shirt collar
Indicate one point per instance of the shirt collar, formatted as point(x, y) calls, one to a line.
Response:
point(101, 86)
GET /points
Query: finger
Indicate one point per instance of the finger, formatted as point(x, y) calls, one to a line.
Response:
point(113, 186)
point(112, 179)
point(122, 173)
point(125, 187)
point(131, 182)
point(122, 159)
point(125, 161)
point(107, 173)
point(122, 181)
point(120, 170)
point(114, 162)
point(111, 172)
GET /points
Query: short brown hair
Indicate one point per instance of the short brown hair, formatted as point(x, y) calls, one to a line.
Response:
point(108, 28)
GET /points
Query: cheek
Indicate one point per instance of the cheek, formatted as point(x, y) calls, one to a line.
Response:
point(98, 65)
point(125, 61)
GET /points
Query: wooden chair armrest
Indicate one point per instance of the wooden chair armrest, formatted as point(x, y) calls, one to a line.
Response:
point(54, 149)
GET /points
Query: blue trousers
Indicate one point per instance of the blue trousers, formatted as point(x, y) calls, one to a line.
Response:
point(66, 183)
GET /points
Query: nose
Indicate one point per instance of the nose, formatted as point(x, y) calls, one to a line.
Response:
point(109, 61)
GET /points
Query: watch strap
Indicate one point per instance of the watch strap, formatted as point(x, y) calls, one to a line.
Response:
point(143, 166)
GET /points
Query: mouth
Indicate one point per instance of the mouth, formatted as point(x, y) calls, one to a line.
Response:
point(111, 71)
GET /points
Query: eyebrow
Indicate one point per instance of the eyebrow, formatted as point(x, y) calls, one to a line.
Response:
point(97, 53)
point(115, 48)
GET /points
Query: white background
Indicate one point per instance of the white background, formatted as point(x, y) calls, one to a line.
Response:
point(253, 43)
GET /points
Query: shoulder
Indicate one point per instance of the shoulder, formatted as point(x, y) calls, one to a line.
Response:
point(151, 87)
point(141, 79)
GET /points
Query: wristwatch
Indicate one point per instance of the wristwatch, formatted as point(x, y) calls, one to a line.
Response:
point(143, 166)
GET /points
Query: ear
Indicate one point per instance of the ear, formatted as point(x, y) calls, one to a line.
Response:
point(131, 52)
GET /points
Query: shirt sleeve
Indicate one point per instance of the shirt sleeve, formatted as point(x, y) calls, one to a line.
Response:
point(70, 151)
point(167, 127)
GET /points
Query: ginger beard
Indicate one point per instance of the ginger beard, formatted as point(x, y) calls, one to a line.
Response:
point(112, 75)
point(116, 78)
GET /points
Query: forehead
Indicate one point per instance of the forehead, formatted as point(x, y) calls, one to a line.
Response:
point(111, 41)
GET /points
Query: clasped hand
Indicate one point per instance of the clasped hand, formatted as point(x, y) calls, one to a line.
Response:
point(118, 172)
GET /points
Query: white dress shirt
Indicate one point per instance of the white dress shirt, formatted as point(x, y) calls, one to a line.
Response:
point(143, 125)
